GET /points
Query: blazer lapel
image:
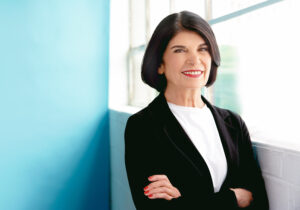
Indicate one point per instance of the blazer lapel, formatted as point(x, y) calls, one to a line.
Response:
point(178, 137)
point(228, 135)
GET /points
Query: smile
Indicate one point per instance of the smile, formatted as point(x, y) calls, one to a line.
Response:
point(193, 73)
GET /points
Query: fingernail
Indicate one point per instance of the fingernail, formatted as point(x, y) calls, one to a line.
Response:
point(146, 192)
point(145, 188)
point(150, 177)
point(150, 195)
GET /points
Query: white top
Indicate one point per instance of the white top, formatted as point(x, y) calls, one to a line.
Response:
point(200, 126)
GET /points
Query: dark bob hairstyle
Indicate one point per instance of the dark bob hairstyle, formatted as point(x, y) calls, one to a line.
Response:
point(164, 32)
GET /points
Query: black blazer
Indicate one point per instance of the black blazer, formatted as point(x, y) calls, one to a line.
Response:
point(155, 143)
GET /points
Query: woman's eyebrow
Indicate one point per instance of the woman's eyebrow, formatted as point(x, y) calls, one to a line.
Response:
point(182, 46)
point(177, 46)
point(203, 44)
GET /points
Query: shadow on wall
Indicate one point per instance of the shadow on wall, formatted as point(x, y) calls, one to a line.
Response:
point(85, 188)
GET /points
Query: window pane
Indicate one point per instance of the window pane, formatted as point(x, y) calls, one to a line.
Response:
point(137, 23)
point(196, 6)
point(158, 9)
point(140, 94)
point(223, 7)
point(225, 92)
point(266, 42)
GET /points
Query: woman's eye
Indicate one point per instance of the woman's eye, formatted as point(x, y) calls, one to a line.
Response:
point(203, 49)
point(179, 50)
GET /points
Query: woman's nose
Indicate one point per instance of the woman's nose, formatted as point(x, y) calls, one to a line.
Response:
point(194, 59)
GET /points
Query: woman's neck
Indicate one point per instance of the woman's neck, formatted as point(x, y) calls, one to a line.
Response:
point(184, 97)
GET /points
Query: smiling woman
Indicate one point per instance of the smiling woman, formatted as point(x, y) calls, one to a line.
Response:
point(183, 151)
point(186, 62)
point(167, 41)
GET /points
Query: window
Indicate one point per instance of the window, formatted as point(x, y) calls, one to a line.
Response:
point(146, 14)
point(258, 40)
point(266, 42)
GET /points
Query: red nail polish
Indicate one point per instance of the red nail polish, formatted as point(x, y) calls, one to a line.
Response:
point(150, 195)
point(146, 192)
point(146, 188)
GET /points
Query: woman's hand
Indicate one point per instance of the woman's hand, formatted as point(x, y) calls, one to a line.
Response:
point(161, 187)
point(243, 197)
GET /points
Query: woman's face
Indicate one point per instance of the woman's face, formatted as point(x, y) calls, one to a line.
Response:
point(186, 61)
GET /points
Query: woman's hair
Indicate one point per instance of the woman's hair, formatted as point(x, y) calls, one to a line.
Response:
point(164, 32)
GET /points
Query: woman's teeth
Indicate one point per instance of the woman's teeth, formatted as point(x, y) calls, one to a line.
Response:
point(192, 72)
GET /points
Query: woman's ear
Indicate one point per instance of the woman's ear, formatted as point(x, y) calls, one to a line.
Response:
point(161, 69)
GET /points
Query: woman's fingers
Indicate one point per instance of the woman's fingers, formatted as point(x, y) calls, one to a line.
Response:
point(160, 183)
point(161, 196)
point(161, 187)
point(158, 177)
point(169, 191)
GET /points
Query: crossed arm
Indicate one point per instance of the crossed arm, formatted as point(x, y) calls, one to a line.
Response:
point(161, 188)
point(152, 189)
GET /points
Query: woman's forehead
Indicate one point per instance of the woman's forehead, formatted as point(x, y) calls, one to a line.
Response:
point(186, 37)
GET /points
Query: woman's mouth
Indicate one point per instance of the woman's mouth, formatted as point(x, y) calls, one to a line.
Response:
point(193, 73)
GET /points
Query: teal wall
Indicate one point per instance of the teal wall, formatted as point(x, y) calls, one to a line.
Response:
point(54, 137)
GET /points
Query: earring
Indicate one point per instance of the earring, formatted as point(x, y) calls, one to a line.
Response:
point(159, 71)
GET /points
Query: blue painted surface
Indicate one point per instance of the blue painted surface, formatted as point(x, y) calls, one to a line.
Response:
point(120, 191)
point(54, 131)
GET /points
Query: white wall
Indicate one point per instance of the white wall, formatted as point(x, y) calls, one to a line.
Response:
point(281, 171)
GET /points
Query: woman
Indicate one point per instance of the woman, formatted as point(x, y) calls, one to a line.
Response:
point(181, 151)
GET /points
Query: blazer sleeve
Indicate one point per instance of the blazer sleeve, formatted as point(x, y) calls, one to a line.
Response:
point(250, 173)
point(140, 164)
